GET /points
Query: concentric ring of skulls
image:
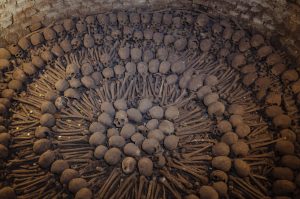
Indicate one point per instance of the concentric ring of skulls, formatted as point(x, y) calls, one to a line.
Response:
point(151, 105)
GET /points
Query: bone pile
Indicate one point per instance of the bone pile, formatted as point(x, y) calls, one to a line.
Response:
point(160, 104)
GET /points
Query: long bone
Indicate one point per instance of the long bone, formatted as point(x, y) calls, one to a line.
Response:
point(125, 186)
point(174, 192)
point(109, 182)
point(151, 188)
point(188, 169)
point(247, 187)
point(173, 179)
point(142, 182)
point(259, 185)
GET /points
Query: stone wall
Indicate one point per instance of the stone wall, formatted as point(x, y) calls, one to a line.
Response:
point(276, 18)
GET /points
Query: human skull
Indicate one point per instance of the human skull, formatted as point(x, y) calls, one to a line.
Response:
point(90, 20)
point(177, 23)
point(156, 19)
point(135, 19)
point(193, 43)
point(167, 19)
point(145, 18)
point(201, 21)
point(61, 102)
point(122, 18)
point(98, 39)
point(50, 35)
point(105, 58)
point(76, 43)
point(158, 38)
point(113, 19)
point(116, 33)
point(47, 56)
point(120, 118)
point(91, 24)
point(148, 34)
point(72, 70)
point(108, 40)
point(127, 32)
point(15, 50)
point(81, 26)
point(60, 30)
point(187, 19)
point(68, 24)
point(103, 20)
point(138, 36)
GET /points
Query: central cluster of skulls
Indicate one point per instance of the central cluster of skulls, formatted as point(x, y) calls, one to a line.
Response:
point(134, 134)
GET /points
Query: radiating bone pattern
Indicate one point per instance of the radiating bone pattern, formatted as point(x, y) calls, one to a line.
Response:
point(161, 104)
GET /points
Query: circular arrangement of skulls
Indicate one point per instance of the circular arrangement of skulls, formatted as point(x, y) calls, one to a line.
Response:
point(163, 104)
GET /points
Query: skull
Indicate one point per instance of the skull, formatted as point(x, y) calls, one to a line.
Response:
point(59, 29)
point(138, 36)
point(193, 43)
point(103, 20)
point(177, 23)
point(120, 118)
point(201, 21)
point(68, 24)
point(216, 28)
point(66, 45)
point(24, 43)
point(167, 19)
point(156, 19)
point(262, 83)
point(148, 34)
point(81, 26)
point(49, 35)
point(244, 44)
point(90, 20)
point(57, 50)
point(113, 19)
point(61, 102)
point(145, 18)
point(91, 24)
point(169, 40)
point(148, 55)
point(88, 41)
point(108, 73)
point(98, 39)
point(116, 33)
point(72, 70)
point(76, 43)
point(158, 38)
point(48, 57)
point(119, 71)
point(105, 58)
point(108, 40)
point(188, 19)
point(122, 18)
point(127, 32)
point(135, 19)
point(15, 50)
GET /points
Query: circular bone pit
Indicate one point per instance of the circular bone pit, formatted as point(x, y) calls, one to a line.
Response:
point(163, 104)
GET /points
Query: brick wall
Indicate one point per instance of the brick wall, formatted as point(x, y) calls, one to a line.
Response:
point(277, 18)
